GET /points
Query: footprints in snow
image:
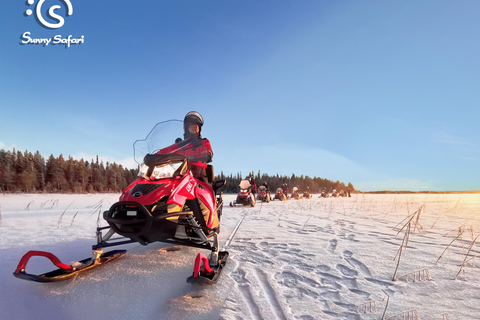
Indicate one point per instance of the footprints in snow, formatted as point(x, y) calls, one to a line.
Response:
point(339, 284)
point(332, 245)
point(357, 264)
point(346, 271)
point(330, 287)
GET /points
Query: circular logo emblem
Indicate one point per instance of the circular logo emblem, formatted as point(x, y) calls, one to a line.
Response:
point(137, 194)
point(51, 13)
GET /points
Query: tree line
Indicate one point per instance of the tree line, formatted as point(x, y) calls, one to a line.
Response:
point(31, 172)
point(315, 184)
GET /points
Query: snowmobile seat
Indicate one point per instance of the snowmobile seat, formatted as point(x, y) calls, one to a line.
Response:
point(217, 185)
point(210, 173)
point(211, 179)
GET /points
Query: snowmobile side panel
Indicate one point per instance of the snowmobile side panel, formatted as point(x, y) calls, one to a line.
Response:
point(183, 191)
point(63, 273)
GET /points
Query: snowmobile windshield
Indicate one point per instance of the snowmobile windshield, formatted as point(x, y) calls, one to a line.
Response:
point(262, 188)
point(162, 135)
point(244, 184)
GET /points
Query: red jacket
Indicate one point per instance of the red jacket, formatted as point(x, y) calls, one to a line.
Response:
point(198, 151)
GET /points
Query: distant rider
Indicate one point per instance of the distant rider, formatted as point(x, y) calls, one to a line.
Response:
point(266, 186)
point(253, 185)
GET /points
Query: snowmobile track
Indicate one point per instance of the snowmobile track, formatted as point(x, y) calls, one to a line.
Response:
point(270, 294)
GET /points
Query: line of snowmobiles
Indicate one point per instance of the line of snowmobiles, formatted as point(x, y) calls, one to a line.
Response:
point(165, 204)
point(246, 196)
point(335, 194)
point(297, 195)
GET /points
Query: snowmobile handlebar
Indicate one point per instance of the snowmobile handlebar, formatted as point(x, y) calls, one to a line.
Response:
point(152, 160)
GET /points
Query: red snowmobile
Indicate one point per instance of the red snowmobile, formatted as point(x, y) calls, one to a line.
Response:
point(280, 195)
point(165, 204)
point(324, 194)
point(295, 194)
point(307, 194)
point(245, 197)
point(263, 194)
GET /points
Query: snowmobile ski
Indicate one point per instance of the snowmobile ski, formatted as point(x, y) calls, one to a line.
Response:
point(64, 271)
point(207, 274)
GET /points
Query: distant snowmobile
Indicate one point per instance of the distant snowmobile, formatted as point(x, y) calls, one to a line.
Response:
point(324, 194)
point(245, 197)
point(307, 194)
point(280, 195)
point(165, 204)
point(295, 194)
point(263, 194)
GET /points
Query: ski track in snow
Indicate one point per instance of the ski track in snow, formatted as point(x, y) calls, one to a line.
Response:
point(278, 277)
point(299, 259)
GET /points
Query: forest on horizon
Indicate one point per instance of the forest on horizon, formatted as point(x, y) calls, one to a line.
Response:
point(31, 173)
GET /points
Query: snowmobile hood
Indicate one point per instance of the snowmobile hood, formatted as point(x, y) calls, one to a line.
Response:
point(147, 192)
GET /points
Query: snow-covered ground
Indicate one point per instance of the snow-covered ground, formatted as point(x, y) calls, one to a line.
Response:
point(300, 259)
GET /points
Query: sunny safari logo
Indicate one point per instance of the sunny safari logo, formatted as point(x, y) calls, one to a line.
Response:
point(53, 20)
point(51, 13)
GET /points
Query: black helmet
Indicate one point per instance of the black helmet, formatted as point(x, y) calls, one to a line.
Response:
point(192, 117)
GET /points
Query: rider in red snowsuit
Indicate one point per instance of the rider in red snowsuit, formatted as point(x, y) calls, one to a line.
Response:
point(253, 185)
point(197, 149)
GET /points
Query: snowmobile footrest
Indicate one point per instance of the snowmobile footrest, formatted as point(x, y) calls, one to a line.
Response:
point(208, 274)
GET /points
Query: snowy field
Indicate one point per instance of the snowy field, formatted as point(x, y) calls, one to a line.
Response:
point(303, 259)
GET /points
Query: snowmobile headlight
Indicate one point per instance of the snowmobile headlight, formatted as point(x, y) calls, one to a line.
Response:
point(165, 170)
point(143, 171)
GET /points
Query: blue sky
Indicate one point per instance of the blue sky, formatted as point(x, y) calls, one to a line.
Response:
point(382, 94)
